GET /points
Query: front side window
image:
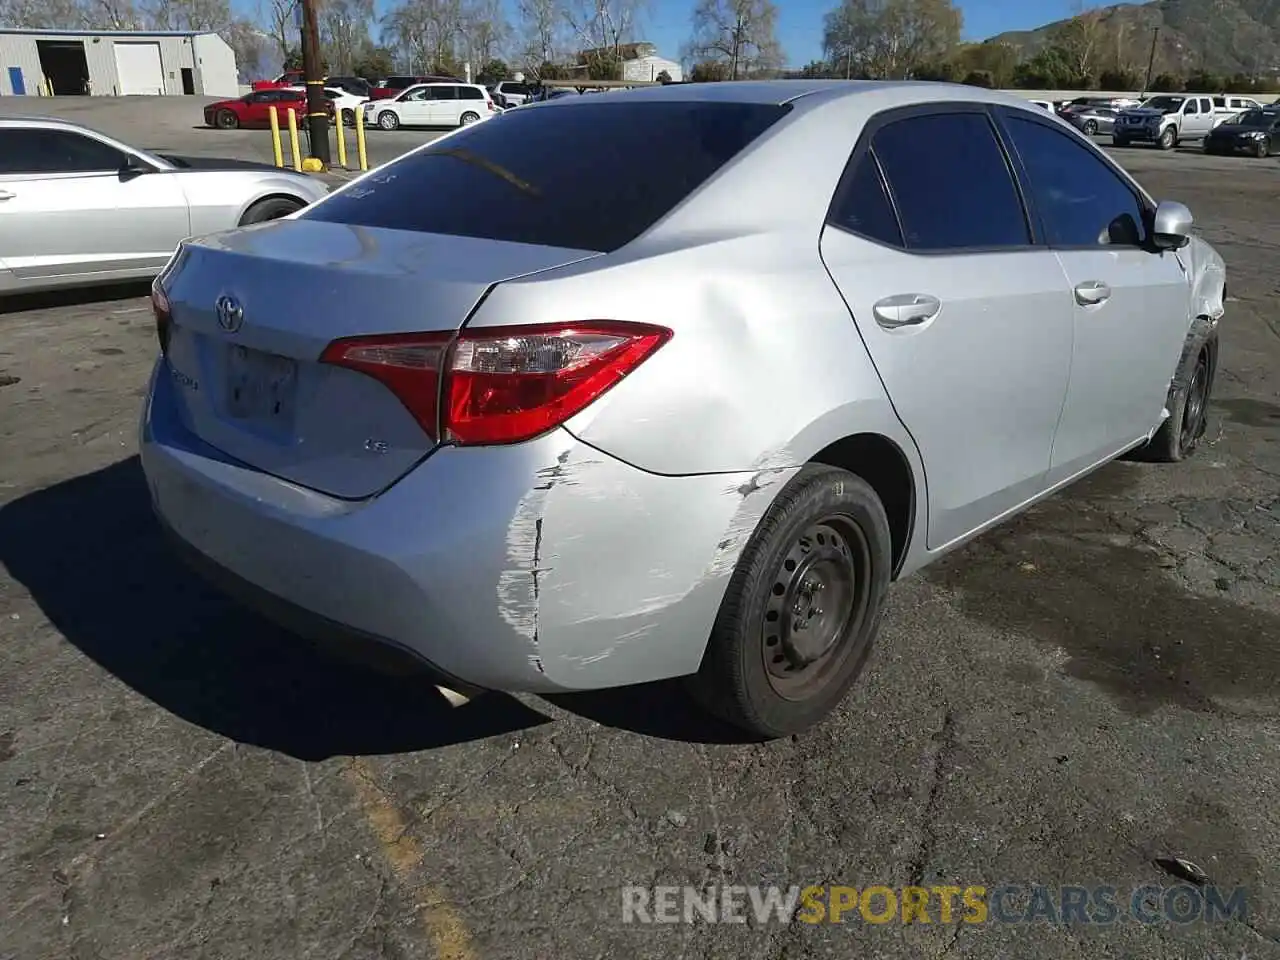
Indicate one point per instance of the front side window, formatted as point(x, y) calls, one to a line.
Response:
point(1190, 108)
point(591, 178)
point(57, 151)
point(444, 93)
point(951, 183)
point(1082, 201)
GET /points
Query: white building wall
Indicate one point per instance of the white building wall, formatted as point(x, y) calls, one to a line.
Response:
point(209, 57)
point(19, 51)
point(216, 71)
point(648, 68)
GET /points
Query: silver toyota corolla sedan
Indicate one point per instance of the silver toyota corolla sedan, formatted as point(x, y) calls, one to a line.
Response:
point(670, 383)
point(78, 207)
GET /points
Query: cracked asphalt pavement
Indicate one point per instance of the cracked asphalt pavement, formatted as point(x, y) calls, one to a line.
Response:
point(1090, 687)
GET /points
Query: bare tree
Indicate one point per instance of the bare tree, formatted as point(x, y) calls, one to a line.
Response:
point(248, 43)
point(741, 34)
point(344, 32)
point(889, 39)
point(1081, 39)
point(603, 24)
point(427, 31)
point(112, 15)
point(204, 15)
point(42, 14)
point(485, 32)
point(278, 20)
point(541, 26)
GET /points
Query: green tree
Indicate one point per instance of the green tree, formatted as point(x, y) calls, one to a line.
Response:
point(890, 39)
point(708, 71)
point(1202, 82)
point(991, 56)
point(1165, 83)
point(979, 78)
point(1119, 80)
point(376, 62)
point(1047, 70)
point(494, 71)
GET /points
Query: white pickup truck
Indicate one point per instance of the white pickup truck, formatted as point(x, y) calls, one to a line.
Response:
point(1166, 120)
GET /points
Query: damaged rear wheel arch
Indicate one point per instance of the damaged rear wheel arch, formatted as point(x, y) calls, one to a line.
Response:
point(882, 464)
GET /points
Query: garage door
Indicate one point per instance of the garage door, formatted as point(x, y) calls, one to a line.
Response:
point(138, 66)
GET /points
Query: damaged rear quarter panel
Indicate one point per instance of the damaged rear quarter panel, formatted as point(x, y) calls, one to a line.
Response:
point(615, 575)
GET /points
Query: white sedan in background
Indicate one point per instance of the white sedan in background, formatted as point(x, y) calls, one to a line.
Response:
point(345, 103)
point(80, 208)
point(433, 105)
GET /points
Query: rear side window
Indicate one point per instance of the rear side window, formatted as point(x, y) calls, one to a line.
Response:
point(951, 183)
point(585, 176)
point(863, 207)
point(1083, 202)
point(470, 93)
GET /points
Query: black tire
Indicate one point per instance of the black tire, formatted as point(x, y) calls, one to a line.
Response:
point(225, 120)
point(1188, 402)
point(1090, 127)
point(827, 527)
point(468, 118)
point(1119, 142)
point(1168, 138)
point(272, 208)
point(348, 118)
point(1262, 149)
point(387, 120)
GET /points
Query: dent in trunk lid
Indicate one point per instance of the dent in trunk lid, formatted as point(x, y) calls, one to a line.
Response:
point(259, 394)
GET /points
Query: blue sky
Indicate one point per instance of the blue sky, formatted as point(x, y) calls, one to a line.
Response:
point(800, 22)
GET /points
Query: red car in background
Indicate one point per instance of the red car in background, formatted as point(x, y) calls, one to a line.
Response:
point(290, 78)
point(254, 109)
point(394, 86)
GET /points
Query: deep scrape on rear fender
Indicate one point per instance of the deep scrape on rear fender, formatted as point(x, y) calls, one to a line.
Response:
point(615, 575)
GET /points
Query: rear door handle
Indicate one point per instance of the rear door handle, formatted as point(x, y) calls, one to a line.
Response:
point(906, 309)
point(6, 195)
point(1091, 292)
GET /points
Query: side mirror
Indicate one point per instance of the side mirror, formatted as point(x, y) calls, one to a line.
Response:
point(1171, 226)
point(134, 167)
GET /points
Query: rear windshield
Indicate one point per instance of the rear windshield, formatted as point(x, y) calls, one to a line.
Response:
point(585, 176)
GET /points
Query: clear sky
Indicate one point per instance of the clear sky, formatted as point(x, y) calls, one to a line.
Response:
point(800, 22)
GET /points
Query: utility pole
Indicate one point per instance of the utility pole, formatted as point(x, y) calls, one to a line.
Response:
point(317, 106)
point(1151, 62)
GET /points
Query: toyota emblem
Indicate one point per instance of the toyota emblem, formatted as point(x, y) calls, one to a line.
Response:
point(230, 313)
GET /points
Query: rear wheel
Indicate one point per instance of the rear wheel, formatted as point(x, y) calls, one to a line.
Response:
point(468, 118)
point(272, 208)
point(1091, 127)
point(802, 609)
point(226, 120)
point(387, 120)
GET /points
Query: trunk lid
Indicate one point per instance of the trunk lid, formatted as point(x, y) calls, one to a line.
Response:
point(249, 377)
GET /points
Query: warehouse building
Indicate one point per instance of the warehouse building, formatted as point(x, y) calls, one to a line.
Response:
point(115, 63)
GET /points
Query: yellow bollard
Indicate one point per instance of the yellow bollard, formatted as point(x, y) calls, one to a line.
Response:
point(342, 142)
point(275, 136)
point(293, 140)
point(364, 157)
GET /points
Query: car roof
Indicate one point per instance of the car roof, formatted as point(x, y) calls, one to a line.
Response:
point(806, 93)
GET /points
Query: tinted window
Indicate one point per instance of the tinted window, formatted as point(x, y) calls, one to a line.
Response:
point(591, 176)
point(951, 183)
point(1082, 201)
point(863, 206)
point(470, 93)
point(56, 151)
point(444, 93)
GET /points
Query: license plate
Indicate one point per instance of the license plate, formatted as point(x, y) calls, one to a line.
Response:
point(261, 386)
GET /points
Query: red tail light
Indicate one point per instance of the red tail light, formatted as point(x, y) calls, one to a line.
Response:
point(500, 384)
point(164, 317)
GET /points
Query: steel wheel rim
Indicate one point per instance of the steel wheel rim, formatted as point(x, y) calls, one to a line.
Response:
point(1197, 392)
point(816, 605)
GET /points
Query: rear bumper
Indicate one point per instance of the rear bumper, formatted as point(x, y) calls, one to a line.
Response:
point(543, 566)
